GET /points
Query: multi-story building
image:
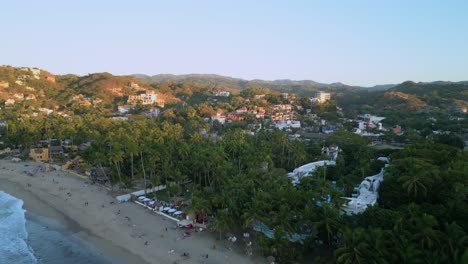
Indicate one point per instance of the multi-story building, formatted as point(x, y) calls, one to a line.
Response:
point(322, 97)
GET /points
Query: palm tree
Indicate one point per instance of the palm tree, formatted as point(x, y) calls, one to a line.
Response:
point(427, 236)
point(457, 240)
point(328, 223)
point(417, 177)
point(355, 248)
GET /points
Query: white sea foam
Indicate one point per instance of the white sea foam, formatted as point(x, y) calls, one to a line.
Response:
point(13, 234)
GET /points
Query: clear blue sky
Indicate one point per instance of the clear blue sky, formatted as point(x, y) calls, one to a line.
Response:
point(356, 42)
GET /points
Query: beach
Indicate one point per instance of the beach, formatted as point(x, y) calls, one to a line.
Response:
point(122, 232)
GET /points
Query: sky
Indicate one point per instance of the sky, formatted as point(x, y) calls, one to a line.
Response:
point(361, 42)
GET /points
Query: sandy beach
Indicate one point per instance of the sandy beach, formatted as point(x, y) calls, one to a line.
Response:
point(123, 231)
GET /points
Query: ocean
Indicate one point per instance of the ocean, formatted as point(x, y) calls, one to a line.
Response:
point(28, 238)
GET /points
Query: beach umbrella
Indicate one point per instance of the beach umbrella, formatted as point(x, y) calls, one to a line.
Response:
point(152, 202)
point(172, 210)
point(166, 208)
point(146, 200)
point(141, 198)
point(178, 213)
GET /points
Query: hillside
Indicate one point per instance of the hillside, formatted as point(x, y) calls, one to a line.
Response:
point(33, 88)
point(212, 81)
point(410, 96)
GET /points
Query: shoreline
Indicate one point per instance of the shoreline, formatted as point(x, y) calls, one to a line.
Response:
point(37, 208)
point(123, 231)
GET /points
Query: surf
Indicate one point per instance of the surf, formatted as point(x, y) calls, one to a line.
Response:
point(13, 234)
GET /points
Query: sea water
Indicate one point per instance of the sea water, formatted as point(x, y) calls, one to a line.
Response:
point(27, 238)
point(13, 234)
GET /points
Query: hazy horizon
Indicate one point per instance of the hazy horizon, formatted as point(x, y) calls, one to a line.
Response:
point(362, 44)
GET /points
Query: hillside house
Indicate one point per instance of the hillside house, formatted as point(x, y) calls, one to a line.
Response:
point(160, 102)
point(370, 121)
point(287, 124)
point(19, 96)
point(151, 113)
point(242, 110)
point(133, 85)
point(36, 72)
point(77, 97)
point(30, 97)
point(144, 99)
point(396, 129)
point(4, 84)
point(123, 109)
point(235, 117)
point(323, 97)
point(97, 101)
point(220, 116)
point(331, 151)
point(285, 107)
point(45, 111)
point(221, 93)
point(118, 91)
point(9, 102)
point(84, 103)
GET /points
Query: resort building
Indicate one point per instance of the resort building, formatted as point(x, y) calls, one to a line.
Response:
point(365, 195)
point(148, 98)
point(322, 97)
point(307, 169)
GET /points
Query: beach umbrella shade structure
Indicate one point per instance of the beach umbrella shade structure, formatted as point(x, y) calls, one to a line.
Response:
point(146, 200)
point(141, 198)
point(167, 208)
point(178, 212)
point(152, 202)
point(172, 210)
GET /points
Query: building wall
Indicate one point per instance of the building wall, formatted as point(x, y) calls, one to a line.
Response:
point(39, 154)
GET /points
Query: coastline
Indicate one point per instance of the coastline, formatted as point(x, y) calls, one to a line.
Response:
point(124, 232)
point(37, 208)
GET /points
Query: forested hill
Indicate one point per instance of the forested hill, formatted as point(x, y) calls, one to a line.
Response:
point(302, 88)
point(39, 88)
point(410, 96)
point(445, 90)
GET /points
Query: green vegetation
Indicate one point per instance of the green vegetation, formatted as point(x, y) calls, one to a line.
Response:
point(238, 177)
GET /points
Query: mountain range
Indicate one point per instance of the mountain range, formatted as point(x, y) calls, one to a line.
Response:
point(47, 90)
point(230, 82)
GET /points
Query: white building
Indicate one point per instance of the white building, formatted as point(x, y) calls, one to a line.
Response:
point(370, 121)
point(123, 109)
point(306, 170)
point(144, 99)
point(9, 101)
point(221, 93)
point(367, 195)
point(287, 124)
point(331, 151)
point(322, 97)
point(46, 111)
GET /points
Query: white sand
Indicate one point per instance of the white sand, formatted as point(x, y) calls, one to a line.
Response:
point(100, 223)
